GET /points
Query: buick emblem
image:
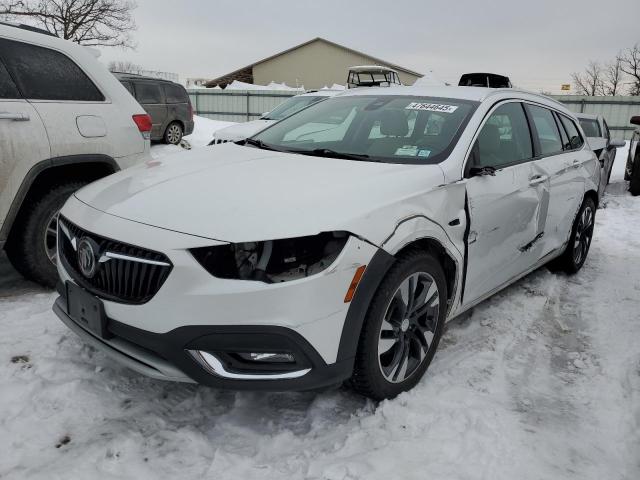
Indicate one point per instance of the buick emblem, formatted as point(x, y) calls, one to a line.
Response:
point(87, 257)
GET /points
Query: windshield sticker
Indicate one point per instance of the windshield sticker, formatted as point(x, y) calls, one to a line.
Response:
point(431, 107)
point(407, 151)
point(424, 153)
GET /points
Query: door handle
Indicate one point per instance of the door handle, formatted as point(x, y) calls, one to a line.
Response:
point(537, 180)
point(16, 117)
point(576, 164)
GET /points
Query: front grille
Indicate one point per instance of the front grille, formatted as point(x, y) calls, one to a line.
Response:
point(124, 275)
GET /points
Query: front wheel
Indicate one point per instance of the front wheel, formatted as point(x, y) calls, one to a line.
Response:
point(574, 256)
point(173, 134)
point(402, 328)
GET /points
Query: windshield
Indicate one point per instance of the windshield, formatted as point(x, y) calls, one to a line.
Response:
point(591, 127)
point(291, 106)
point(385, 128)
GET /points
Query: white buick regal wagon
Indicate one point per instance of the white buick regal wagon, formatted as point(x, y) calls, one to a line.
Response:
point(332, 246)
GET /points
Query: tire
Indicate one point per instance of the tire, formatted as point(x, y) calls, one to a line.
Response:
point(173, 134)
point(574, 256)
point(34, 232)
point(634, 181)
point(379, 370)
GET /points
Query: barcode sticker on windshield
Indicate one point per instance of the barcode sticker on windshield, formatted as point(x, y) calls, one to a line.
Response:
point(431, 107)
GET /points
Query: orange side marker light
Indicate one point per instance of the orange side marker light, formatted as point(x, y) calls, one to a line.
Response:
point(354, 283)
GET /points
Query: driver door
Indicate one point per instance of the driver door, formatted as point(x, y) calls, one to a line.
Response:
point(506, 203)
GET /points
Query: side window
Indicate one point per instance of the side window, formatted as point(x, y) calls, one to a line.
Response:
point(563, 134)
point(8, 89)
point(148, 93)
point(575, 140)
point(591, 127)
point(129, 87)
point(175, 93)
point(548, 133)
point(504, 139)
point(44, 74)
point(607, 132)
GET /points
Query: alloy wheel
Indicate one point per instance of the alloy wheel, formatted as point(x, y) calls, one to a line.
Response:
point(408, 327)
point(51, 238)
point(584, 233)
point(174, 134)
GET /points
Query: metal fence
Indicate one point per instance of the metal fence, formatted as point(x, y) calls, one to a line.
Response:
point(617, 111)
point(236, 105)
point(243, 105)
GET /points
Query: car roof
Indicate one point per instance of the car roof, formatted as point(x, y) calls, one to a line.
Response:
point(371, 68)
point(320, 93)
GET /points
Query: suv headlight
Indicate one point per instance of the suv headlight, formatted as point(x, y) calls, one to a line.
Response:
point(272, 261)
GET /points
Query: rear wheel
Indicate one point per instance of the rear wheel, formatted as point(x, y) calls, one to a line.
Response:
point(32, 246)
point(402, 327)
point(173, 134)
point(577, 250)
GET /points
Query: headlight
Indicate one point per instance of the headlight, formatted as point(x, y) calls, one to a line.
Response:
point(272, 261)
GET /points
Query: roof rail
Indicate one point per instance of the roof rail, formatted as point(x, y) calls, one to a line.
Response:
point(22, 26)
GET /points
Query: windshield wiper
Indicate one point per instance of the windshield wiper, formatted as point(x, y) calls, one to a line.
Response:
point(327, 152)
point(256, 143)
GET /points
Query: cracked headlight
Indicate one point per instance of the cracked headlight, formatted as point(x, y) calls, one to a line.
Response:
point(272, 261)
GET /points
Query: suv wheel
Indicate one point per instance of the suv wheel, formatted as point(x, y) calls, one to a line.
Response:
point(173, 133)
point(402, 327)
point(634, 180)
point(32, 246)
point(574, 256)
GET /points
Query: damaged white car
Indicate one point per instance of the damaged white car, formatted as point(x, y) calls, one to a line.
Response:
point(297, 261)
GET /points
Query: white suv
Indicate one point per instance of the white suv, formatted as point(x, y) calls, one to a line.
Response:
point(65, 121)
point(296, 262)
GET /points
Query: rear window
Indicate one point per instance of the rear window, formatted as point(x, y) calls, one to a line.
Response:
point(575, 140)
point(591, 127)
point(8, 89)
point(175, 93)
point(44, 74)
point(147, 92)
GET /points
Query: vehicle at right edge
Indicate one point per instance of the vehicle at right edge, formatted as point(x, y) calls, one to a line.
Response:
point(599, 139)
point(632, 172)
point(337, 257)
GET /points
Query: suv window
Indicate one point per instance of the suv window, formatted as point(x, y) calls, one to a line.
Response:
point(44, 74)
point(149, 93)
point(505, 138)
point(175, 93)
point(607, 132)
point(548, 133)
point(8, 89)
point(129, 87)
point(575, 140)
point(591, 127)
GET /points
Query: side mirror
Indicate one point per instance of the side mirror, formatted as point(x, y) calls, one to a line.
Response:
point(635, 120)
point(617, 144)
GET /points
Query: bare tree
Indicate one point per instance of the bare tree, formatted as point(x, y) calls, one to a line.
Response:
point(124, 66)
point(630, 64)
point(107, 23)
point(590, 81)
point(612, 78)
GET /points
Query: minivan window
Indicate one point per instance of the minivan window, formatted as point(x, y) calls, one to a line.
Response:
point(44, 74)
point(129, 87)
point(148, 93)
point(341, 127)
point(505, 138)
point(591, 127)
point(8, 89)
point(175, 93)
point(575, 140)
point(548, 133)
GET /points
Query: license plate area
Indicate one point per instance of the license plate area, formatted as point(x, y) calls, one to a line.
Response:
point(87, 310)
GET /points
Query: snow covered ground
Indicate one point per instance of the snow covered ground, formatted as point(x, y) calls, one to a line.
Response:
point(540, 382)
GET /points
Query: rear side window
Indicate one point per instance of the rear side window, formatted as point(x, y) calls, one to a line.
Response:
point(591, 127)
point(8, 89)
point(129, 87)
point(575, 140)
point(175, 93)
point(44, 74)
point(504, 139)
point(607, 132)
point(147, 92)
point(547, 129)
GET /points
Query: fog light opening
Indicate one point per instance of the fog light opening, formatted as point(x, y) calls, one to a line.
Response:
point(213, 365)
point(280, 357)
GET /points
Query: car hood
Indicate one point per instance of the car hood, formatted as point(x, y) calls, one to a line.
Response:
point(241, 131)
point(238, 194)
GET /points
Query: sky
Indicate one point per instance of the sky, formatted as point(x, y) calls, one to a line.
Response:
point(537, 43)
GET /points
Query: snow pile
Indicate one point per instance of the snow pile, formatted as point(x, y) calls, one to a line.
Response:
point(237, 85)
point(202, 134)
point(540, 382)
point(430, 79)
